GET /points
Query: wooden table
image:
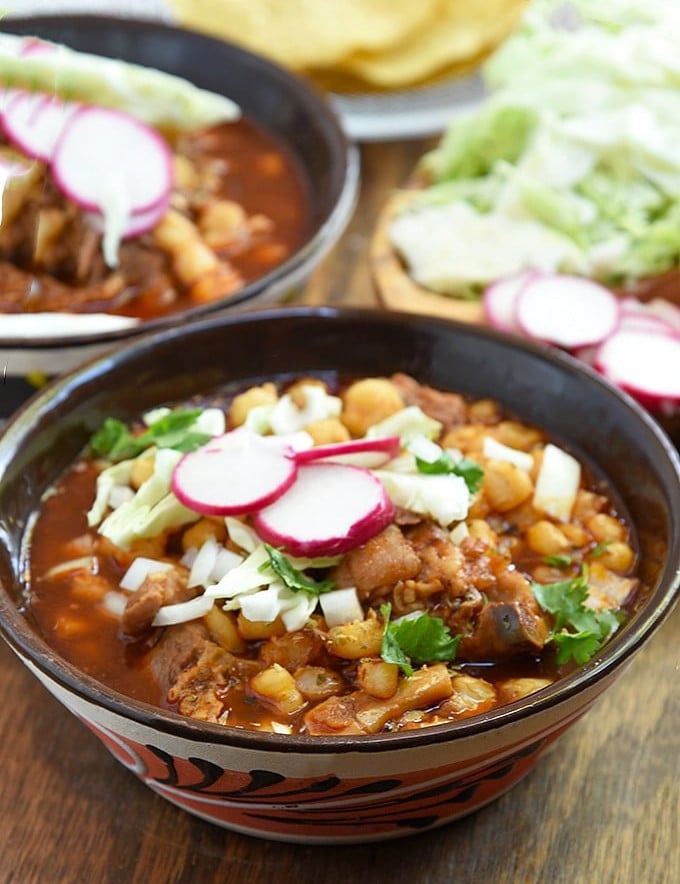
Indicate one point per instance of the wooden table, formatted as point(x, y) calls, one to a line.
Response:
point(602, 808)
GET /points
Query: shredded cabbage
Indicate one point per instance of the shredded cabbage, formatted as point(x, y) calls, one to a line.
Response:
point(570, 163)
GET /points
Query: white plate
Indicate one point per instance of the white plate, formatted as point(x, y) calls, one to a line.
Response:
point(412, 113)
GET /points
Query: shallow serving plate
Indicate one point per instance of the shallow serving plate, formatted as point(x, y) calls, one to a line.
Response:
point(290, 109)
point(339, 789)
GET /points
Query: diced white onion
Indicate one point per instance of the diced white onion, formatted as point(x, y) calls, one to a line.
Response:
point(299, 613)
point(81, 563)
point(115, 602)
point(263, 606)
point(119, 495)
point(341, 606)
point(279, 728)
point(155, 414)
point(495, 450)
point(204, 563)
point(211, 421)
point(139, 570)
point(425, 449)
point(189, 557)
point(459, 533)
point(170, 615)
point(226, 561)
point(244, 578)
point(557, 483)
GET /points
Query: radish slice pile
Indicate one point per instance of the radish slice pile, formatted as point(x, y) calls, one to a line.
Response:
point(300, 499)
point(500, 299)
point(330, 509)
point(566, 310)
point(106, 161)
point(633, 344)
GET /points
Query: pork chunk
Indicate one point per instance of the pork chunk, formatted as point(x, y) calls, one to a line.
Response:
point(163, 588)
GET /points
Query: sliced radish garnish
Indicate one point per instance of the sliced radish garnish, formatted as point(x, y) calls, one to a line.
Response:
point(137, 223)
point(569, 311)
point(368, 453)
point(665, 310)
point(236, 473)
point(34, 122)
point(103, 154)
point(330, 509)
point(500, 299)
point(644, 363)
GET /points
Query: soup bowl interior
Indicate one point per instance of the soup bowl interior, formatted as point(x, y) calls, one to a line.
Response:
point(285, 107)
point(325, 789)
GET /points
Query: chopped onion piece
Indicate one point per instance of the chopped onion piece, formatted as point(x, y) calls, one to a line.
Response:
point(459, 533)
point(424, 449)
point(286, 417)
point(244, 578)
point(204, 563)
point(557, 483)
point(119, 495)
point(189, 557)
point(211, 421)
point(226, 561)
point(280, 728)
point(170, 615)
point(115, 602)
point(139, 570)
point(156, 414)
point(81, 563)
point(299, 613)
point(341, 606)
point(495, 450)
point(263, 606)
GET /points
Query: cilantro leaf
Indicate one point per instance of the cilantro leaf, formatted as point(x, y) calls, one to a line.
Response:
point(559, 561)
point(578, 633)
point(599, 548)
point(291, 577)
point(115, 441)
point(423, 639)
point(468, 470)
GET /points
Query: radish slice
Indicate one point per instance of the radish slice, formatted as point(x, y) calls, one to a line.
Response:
point(103, 154)
point(644, 363)
point(330, 509)
point(368, 453)
point(666, 311)
point(569, 311)
point(645, 322)
point(34, 122)
point(236, 473)
point(137, 224)
point(500, 300)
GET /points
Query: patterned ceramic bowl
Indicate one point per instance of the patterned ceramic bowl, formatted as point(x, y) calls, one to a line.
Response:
point(341, 789)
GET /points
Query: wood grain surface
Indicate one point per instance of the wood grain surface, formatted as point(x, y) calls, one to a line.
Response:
point(601, 808)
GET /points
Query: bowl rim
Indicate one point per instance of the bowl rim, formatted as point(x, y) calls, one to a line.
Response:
point(320, 238)
point(20, 636)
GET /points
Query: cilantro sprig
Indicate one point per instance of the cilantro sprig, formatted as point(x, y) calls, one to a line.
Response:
point(290, 576)
point(578, 633)
point(115, 441)
point(423, 639)
point(468, 470)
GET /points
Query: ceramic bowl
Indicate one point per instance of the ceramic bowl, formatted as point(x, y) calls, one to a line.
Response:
point(340, 789)
point(282, 104)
